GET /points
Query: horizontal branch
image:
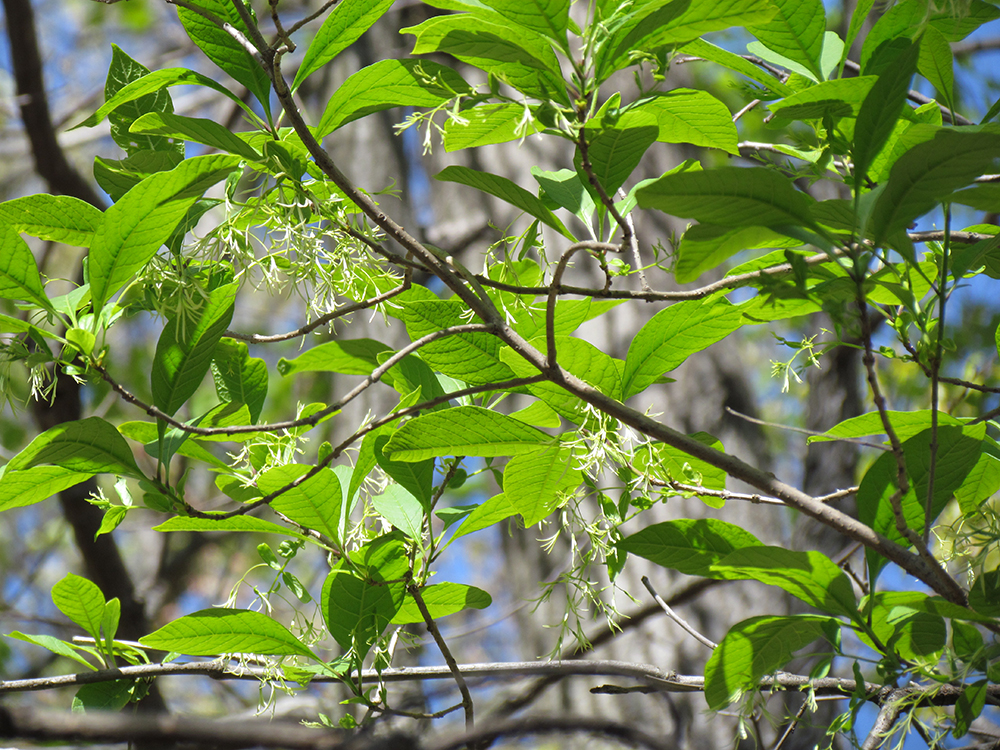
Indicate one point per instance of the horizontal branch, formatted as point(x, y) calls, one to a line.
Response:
point(650, 676)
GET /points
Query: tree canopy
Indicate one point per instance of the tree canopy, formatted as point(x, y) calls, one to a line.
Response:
point(821, 187)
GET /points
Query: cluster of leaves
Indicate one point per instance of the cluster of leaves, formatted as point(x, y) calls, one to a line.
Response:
point(509, 330)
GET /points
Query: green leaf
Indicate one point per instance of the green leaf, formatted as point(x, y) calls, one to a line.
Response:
point(19, 276)
point(539, 414)
point(981, 483)
point(709, 51)
point(402, 509)
point(387, 84)
point(348, 357)
point(838, 98)
point(880, 111)
point(54, 645)
point(704, 246)
point(968, 707)
point(906, 424)
point(250, 524)
point(691, 546)
point(579, 357)
point(796, 31)
point(566, 189)
point(358, 609)
point(185, 348)
point(81, 601)
point(442, 599)
point(688, 116)
point(494, 510)
point(239, 377)
point(30, 486)
point(614, 153)
point(473, 357)
point(463, 431)
point(211, 632)
point(666, 462)
point(104, 696)
point(672, 335)
point(154, 82)
point(548, 17)
point(536, 483)
point(930, 171)
point(858, 18)
point(136, 226)
point(505, 190)
point(417, 477)
point(196, 130)
point(222, 49)
point(909, 632)
point(314, 503)
point(729, 196)
point(88, 446)
point(936, 63)
point(516, 56)
point(755, 648)
point(487, 124)
point(958, 452)
point(54, 218)
point(343, 26)
point(653, 26)
point(123, 71)
point(811, 576)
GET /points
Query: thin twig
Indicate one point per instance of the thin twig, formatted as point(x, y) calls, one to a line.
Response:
point(254, 338)
point(935, 366)
point(677, 618)
point(449, 659)
point(746, 109)
point(550, 305)
point(803, 431)
point(609, 204)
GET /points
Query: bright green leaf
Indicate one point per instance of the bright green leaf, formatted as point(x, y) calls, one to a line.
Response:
point(211, 632)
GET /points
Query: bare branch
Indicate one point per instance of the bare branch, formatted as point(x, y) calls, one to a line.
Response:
point(254, 338)
point(449, 659)
point(677, 618)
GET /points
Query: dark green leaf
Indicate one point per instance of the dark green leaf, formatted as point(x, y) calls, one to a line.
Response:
point(417, 477)
point(880, 111)
point(358, 607)
point(185, 349)
point(614, 153)
point(838, 98)
point(936, 63)
point(930, 171)
point(705, 246)
point(239, 377)
point(123, 71)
